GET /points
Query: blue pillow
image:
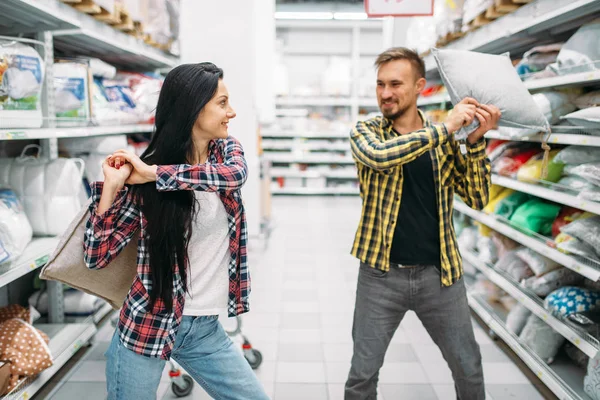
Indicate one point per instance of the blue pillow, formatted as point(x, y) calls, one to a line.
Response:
point(569, 300)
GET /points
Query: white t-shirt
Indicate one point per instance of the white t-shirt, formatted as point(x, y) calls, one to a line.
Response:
point(208, 252)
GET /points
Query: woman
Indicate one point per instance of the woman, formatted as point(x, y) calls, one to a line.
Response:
point(182, 200)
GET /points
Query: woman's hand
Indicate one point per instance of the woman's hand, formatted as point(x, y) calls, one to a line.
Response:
point(115, 173)
point(142, 172)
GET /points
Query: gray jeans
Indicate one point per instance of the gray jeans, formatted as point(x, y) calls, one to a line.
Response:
point(382, 299)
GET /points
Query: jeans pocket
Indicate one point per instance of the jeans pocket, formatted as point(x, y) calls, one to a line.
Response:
point(184, 332)
point(372, 272)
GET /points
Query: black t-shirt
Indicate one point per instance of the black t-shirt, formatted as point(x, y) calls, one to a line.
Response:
point(417, 236)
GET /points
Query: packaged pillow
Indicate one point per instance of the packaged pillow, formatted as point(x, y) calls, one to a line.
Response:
point(539, 264)
point(570, 300)
point(531, 171)
point(503, 244)
point(517, 318)
point(468, 238)
point(509, 165)
point(491, 206)
point(486, 250)
point(587, 118)
point(547, 283)
point(15, 229)
point(570, 245)
point(489, 79)
point(536, 216)
point(541, 339)
point(513, 266)
point(588, 100)
point(580, 52)
point(586, 230)
point(591, 172)
point(507, 206)
point(566, 216)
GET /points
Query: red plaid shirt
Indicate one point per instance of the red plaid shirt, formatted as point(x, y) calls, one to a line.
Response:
point(152, 332)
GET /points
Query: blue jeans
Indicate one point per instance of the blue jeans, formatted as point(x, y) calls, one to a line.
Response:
point(202, 348)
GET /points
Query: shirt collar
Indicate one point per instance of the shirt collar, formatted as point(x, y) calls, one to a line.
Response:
point(387, 124)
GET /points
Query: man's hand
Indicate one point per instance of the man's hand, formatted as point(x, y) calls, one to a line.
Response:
point(488, 116)
point(462, 114)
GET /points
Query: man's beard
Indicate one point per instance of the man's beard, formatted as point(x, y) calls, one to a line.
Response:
point(394, 115)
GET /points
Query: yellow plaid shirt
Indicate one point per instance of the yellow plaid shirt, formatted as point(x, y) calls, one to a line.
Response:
point(380, 153)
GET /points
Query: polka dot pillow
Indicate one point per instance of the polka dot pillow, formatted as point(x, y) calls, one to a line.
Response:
point(570, 300)
point(26, 348)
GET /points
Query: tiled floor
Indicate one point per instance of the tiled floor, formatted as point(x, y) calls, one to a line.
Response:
point(303, 286)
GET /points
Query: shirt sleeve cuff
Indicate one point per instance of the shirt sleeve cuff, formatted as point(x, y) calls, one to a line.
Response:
point(440, 134)
point(477, 149)
point(96, 188)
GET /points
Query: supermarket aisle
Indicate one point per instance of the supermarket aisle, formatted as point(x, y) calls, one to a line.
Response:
point(302, 301)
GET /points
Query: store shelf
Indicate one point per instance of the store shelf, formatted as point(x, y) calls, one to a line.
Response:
point(76, 33)
point(65, 342)
point(305, 135)
point(314, 101)
point(432, 100)
point(582, 340)
point(545, 373)
point(34, 256)
point(315, 191)
point(587, 268)
point(289, 158)
point(305, 146)
point(571, 80)
point(555, 138)
point(368, 102)
point(72, 132)
point(547, 193)
point(102, 312)
point(287, 173)
point(527, 26)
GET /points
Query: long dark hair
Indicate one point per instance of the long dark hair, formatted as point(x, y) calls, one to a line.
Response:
point(185, 92)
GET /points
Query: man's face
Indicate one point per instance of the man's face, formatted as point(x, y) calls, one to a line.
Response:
point(398, 88)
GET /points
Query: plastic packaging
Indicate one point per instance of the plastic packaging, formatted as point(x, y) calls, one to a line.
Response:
point(72, 95)
point(15, 229)
point(570, 245)
point(536, 216)
point(514, 266)
point(531, 171)
point(542, 339)
point(581, 50)
point(591, 172)
point(586, 230)
point(591, 99)
point(486, 250)
point(21, 80)
point(539, 264)
point(508, 205)
point(517, 318)
point(566, 216)
point(547, 283)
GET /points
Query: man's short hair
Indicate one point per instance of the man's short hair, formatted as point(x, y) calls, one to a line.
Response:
point(402, 53)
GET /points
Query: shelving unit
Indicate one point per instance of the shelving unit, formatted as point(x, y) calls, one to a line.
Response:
point(60, 29)
point(582, 340)
point(588, 268)
point(316, 191)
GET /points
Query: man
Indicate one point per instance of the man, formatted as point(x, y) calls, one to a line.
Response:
point(409, 170)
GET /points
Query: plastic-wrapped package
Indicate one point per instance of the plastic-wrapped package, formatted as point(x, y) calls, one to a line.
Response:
point(581, 51)
point(21, 80)
point(144, 91)
point(586, 118)
point(570, 245)
point(493, 202)
point(591, 172)
point(509, 165)
point(566, 216)
point(577, 356)
point(508, 302)
point(468, 238)
point(517, 318)
point(586, 230)
point(554, 105)
point(76, 303)
point(111, 106)
point(487, 289)
point(72, 94)
point(539, 264)
point(547, 283)
point(590, 193)
point(577, 155)
point(15, 229)
point(503, 244)
point(591, 99)
point(531, 171)
point(100, 69)
point(569, 300)
point(591, 382)
point(335, 80)
point(538, 58)
point(508, 205)
point(486, 250)
point(542, 339)
point(513, 266)
point(536, 216)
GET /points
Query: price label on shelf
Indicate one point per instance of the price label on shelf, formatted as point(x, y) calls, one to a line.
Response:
point(13, 135)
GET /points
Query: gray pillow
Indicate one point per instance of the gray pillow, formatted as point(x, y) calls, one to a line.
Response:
point(66, 265)
point(489, 79)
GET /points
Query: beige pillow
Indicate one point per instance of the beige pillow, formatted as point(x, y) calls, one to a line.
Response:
point(67, 265)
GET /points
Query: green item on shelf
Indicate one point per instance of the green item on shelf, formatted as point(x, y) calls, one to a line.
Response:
point(536, 216)
point(507, 206)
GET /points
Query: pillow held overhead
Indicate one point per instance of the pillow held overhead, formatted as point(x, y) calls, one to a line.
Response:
point(489, 79)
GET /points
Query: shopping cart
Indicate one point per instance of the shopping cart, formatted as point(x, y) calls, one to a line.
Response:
point(183, 384)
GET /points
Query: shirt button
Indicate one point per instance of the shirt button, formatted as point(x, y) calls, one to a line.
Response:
point(397, 198)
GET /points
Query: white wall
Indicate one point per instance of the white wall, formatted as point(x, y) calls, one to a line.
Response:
point(223, 32)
